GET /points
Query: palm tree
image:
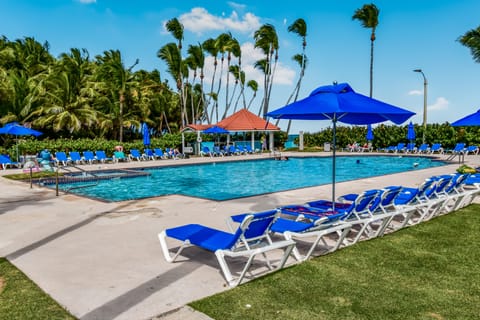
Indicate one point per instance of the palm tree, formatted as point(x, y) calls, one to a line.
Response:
point(368, 17)
point(118, 81)
point(471, 40)
point(222, 42)
point(266, 39)
point(176, 29)
point(62, 109)
point(252, 84)
point(298, 27)
point(196, 60)
point(210, 47)
point(232, 47)
point(170, 54)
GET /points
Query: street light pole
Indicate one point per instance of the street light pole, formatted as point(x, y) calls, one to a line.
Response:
point(425, 83)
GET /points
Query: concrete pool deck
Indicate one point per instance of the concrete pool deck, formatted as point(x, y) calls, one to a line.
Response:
point(103, 260)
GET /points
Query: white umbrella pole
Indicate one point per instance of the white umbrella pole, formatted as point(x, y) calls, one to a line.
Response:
point(16, 142)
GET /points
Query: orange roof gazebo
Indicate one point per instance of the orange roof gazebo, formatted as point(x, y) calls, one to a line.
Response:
point(244, 120)
point(241, 121)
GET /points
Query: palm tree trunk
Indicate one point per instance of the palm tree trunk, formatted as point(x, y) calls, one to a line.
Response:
point(120, 118)
point(371, 66)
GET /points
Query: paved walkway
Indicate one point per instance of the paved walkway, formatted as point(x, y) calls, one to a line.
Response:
point(103, 260)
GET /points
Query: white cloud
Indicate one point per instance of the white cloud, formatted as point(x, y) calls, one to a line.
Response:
point(199, 20)
point(415, 92)
point(236, 6)
point(440, 104)
point(87, 1)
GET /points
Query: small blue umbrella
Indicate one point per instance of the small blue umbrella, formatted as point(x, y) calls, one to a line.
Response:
point(470, 120)
point(146, 134)
point(411, 132)
point(369, 135)
point(15, 129)
point(216, 129)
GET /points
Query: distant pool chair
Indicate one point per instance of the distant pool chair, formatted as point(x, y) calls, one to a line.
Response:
point(120, 156)
point(102, 156)
point(61, 158)
point(75, 157)
point(89, 157)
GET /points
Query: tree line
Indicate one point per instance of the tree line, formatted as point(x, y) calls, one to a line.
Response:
point(75, 95)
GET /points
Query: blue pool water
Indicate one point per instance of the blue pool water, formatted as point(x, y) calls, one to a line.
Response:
point(230, 180)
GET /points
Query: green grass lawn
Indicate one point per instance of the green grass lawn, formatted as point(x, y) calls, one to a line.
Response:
point(430, 271)
point(22, 299)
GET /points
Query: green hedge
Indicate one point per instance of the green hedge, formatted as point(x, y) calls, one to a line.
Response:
point(391, 135)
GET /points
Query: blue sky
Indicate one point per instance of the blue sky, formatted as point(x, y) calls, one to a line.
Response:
point(411, 34)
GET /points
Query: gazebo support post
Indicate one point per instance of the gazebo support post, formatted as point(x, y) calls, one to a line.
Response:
point(253, 140)
point(270, 141)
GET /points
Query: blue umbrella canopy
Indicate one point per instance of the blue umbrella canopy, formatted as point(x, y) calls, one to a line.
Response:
point(15, 129)
point(339, 103)
point(411, 132)
point(470, 120)
point(146, 134)
point(369, 135)
point(216, 129)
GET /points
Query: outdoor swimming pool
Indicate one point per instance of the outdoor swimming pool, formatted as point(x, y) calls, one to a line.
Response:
point(230, 180)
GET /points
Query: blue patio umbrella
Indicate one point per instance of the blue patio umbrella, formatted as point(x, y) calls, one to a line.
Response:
point(146, 134)
point(470, 120)
point(411, 132)
point(339, 103)
point(15, 129)
point(369, 135)
point(216, 129)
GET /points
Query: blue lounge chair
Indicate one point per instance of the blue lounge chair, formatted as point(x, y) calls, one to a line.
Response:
point(206, 152)
point(470, 190)
point(219, 152)
point(450, 194)
point(135, 155)
point(400, 147)
point(321, 224)
point(61, 158)
point(250, 150)
point(75, 157)
point(5, 161)
point(233, 150)
point(89, 157)
point(158, 153)
point(424, 200)
point(471, 150)
point(458, 149)
point(102, 156)
point(148, 154)
point(436, 147)
point(250, 239)
point(410, 148)
point(424, 148)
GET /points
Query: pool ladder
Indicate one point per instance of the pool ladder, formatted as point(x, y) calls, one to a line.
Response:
point(67, 168)
point(460, 155)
